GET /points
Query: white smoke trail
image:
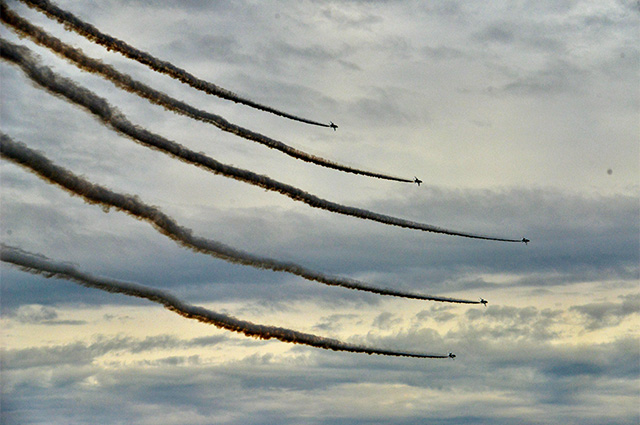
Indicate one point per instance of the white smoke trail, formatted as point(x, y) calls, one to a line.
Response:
point(41, 265)
point(71, 22)
point(125, 82)
point(96, 194)
point(52, 82)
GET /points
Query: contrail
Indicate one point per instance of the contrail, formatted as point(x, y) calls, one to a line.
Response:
point(125, 82)
point(40, 265)
point(98, 106)
point(71, 22)
point(96, 194)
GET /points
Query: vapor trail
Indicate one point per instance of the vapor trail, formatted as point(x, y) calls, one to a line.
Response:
point(71, 22)
point(96, 194)
point(125, 82)
point(40, 265)
point(52, 82)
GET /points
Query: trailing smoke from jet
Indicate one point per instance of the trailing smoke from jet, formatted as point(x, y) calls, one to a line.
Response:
point(52, 82)
point(71, 22)
point(41, 265)
point(125, 82)
point(96, 194)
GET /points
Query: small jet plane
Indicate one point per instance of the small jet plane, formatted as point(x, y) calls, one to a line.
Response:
point(525, 240)
point(483, 301)
point(417, 180)
point(451, 355)
point(332, 125)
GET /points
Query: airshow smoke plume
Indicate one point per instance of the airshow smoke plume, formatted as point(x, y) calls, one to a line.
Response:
point(95, 194)
point(41, 265)
point(71, 22)
point(98, 106)
point(125, 82)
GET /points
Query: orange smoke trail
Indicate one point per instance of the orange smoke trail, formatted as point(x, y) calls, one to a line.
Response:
point(71, 22)
point(40, 265)
point(125, 82)
point(98, 106)
point(95, 194)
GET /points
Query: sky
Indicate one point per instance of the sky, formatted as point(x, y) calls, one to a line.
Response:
point(521, 119)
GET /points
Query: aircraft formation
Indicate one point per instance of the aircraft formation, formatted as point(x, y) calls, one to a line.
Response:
point(93, 193)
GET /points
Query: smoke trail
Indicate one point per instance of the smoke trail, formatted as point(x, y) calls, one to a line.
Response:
point(95, 194)
point(71, 22)
point(38, 264)
point(47, 79)
point(125, 82)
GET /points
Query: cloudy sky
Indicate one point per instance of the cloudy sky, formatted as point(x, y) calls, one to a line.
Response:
point(520, 117)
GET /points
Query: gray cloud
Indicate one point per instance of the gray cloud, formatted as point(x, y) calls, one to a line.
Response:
point(34, 314)
point(79, 353)
point(385, 320)
point(607, 314)
point(563, 110)
point(549, 378)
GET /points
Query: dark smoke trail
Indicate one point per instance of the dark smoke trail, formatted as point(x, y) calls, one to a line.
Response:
point(47, 79)
point(71, 22)
point(40, 265)
point(125, 82)
point(95, 194)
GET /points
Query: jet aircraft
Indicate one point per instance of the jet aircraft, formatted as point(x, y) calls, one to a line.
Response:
point(451, 355)
point(332, 125)
point(483, 301)
point(525, 240)
point(417, 180)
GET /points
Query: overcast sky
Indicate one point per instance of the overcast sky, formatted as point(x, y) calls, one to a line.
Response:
point(522, 120)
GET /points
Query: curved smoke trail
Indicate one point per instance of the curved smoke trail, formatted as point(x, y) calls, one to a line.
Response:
point(38, 264)
point(98, 106)
point(125, 82)
point(90, 32)
point(96, 194)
